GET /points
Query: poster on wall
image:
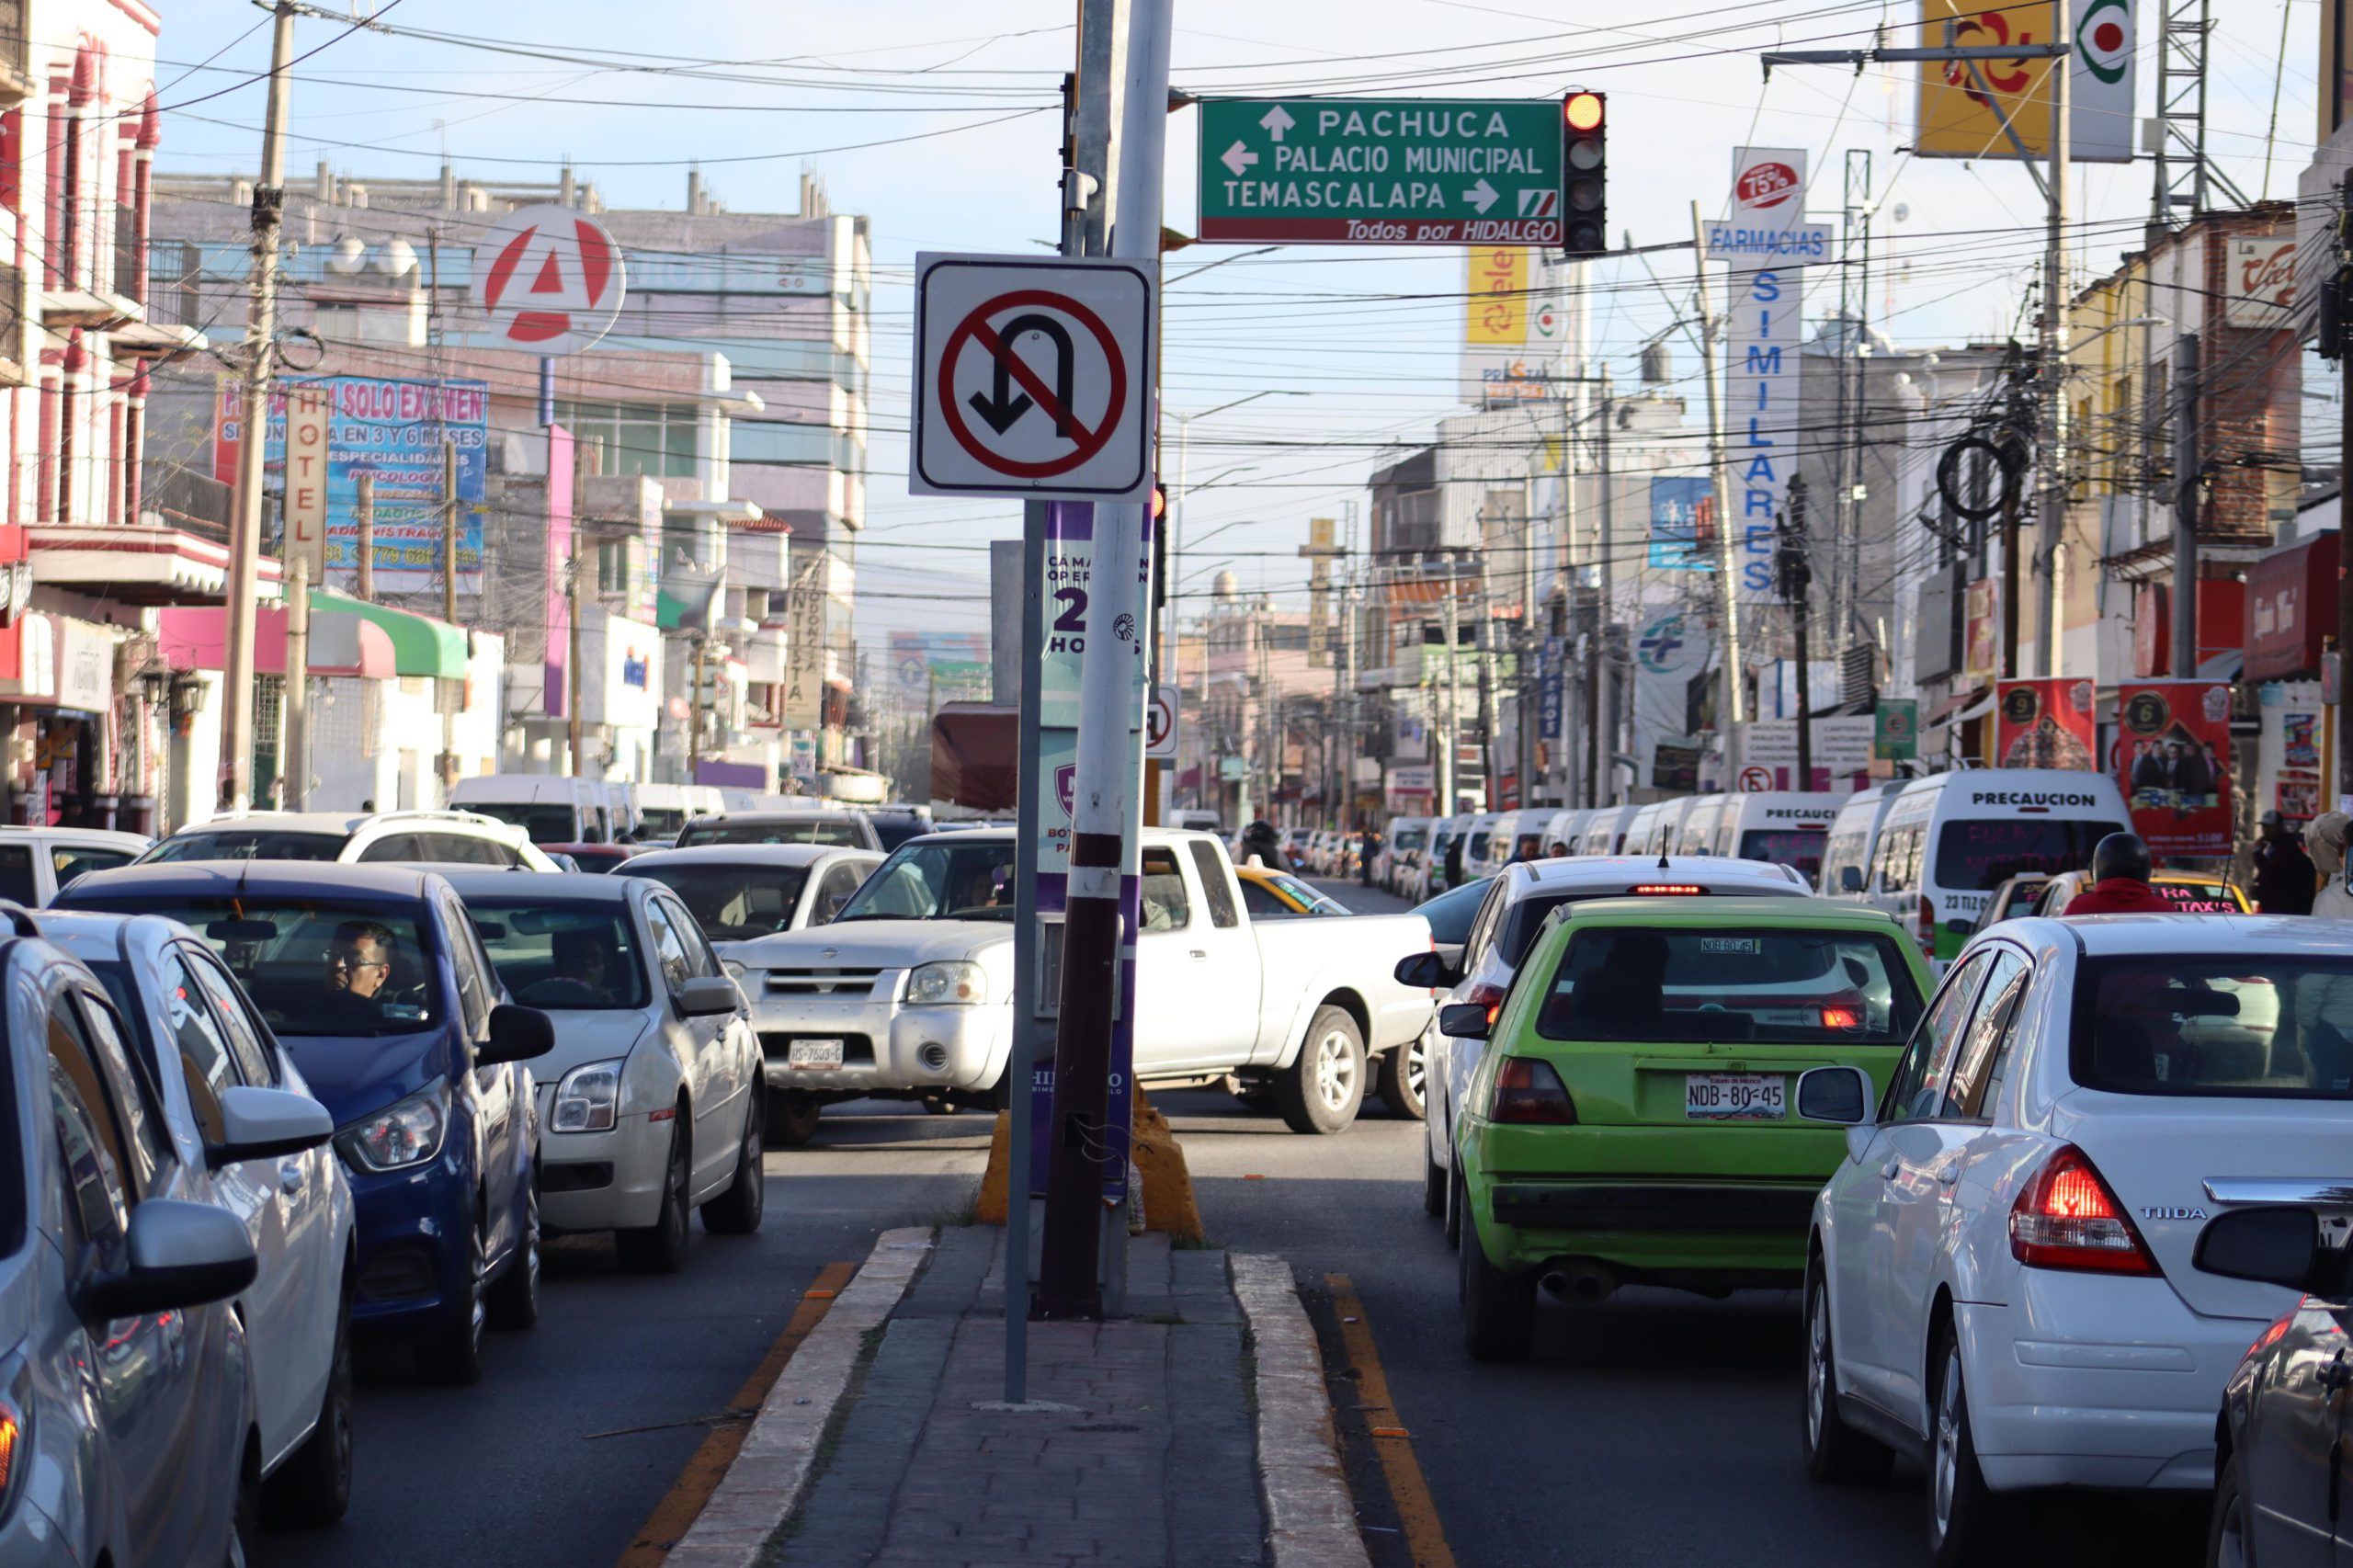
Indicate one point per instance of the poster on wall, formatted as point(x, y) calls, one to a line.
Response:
point(2173, 746)
point(1683, 524)
point(2045, 724)
point(2288, 749)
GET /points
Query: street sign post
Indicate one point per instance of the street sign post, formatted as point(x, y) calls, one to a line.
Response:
point(1033, 378)
point(1380, 171)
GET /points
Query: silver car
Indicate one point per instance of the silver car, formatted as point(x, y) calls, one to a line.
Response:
point(127, 1403)
point(741, 891)
point(651, 1102)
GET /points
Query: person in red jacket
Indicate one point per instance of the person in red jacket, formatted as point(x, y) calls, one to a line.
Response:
point(2120, 882)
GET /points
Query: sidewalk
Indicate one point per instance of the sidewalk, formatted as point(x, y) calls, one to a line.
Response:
point(1195, 1433)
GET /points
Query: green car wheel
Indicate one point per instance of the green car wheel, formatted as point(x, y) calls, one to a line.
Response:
point(1498, 1308)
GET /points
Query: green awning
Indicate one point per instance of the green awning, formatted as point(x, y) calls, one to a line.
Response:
point(421, 645)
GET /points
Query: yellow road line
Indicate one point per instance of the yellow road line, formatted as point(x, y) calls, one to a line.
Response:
point(677, 1513)
point(1393, 1444)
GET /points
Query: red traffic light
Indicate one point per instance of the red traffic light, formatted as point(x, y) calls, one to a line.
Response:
point(1583, 111)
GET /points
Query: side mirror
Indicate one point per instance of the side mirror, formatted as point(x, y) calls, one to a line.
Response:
point(1424, 972)
point(1960, 928)
point(516, 1034)
point(707, 996)
point(1464, 1020)
point(2277, 1246)
point(262, 1124)
point(1850, 879)
point(1841, 1095)
point(180, 1254)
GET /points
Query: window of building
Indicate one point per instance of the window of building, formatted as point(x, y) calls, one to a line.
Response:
point(656, 439)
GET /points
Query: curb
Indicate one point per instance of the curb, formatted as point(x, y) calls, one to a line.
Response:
point(770, 1473)
point(1310, 1513)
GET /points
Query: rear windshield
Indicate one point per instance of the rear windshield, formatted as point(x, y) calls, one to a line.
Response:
point(249, 844)
point(540, 824)
point(2252, 1026)
point(842, 833)
point(1625, 983)
point(734, 903)
point(1477, 849)
point(661, 822)
point(315, 966)
point(574, 956)
point(894, 830)
point(1980, 855)
point(1409, 838)
point(1799, 846)
point(2199, 898)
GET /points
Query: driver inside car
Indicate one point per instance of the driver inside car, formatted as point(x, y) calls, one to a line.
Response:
point(583, 960)
point(358, 965)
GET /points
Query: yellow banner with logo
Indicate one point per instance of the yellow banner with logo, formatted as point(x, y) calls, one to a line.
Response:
point(1498, 297)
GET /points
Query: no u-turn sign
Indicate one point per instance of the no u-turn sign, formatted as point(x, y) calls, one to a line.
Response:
point(1033, 378)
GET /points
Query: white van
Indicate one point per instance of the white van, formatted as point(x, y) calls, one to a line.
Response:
point(664, 809)
point(1606, 829)
point(1789, 827)
point(1951, 838)
point(1401, 850)
point(1847, 854)
point(549, 808)
point(1698, 836)
point(1657, 827)
point(1519, 836)
point(1561, 831)
point(1479, 857)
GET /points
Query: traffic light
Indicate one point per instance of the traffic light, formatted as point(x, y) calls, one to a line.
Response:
point(1584, 174)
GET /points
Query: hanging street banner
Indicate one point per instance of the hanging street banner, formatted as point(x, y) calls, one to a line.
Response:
point(1962, 112)
point(1373, 171)
point(1511, 328)
point(1761, 342)
point(1683, 524)
point(1895, 737)
point(2043, 723)
point(2173, 740)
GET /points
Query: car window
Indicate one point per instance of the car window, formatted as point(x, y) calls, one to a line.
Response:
point(1217, 886)
point(16, 882)
point(699, 957)
point(1917, 1087)
point(1166, 904)
point(89, 1140)
point(143, 1119)
point(735, 902)
point(69, 861)
point(472, 968)
point(256, 1058)
point(2006, 984)
point(248, 844)
point(397, 846)
point(200, 1044)
point(1262, 902)
point(669, 946)
point(581, 956)
point(1482, 925)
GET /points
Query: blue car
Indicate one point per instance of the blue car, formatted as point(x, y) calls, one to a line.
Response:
point(375, 982)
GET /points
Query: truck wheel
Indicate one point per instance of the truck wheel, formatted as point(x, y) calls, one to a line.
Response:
point(1325, 1086)
point(1404, 1077)
point(792, 1118)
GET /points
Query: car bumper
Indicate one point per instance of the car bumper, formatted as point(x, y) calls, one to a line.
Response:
point(885, 1045)
point(2088, 1381)
point(415, 1238)
point(602, 1181)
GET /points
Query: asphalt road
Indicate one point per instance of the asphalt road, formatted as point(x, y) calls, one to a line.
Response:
point(519, 1470)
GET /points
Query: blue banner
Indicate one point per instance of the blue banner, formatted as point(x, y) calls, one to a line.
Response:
point(1682, 524)
point(1553, 693)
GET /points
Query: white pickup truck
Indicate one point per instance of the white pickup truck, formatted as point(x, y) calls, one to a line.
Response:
point(907, 994)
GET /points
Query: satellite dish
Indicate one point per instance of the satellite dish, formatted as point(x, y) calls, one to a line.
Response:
point(1902, 211)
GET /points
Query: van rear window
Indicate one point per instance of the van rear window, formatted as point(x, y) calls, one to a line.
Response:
point(1980, 855)
point(1799, 846)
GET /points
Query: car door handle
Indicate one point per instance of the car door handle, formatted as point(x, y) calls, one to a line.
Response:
point(290, 1178)
point(1200, 952)
point(2335, 1374)
point(1894, 1164)
point(1950, 1173)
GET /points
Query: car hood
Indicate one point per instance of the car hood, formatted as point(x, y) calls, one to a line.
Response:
point(582, 1035)
point(875, 944)
point(353, 1075)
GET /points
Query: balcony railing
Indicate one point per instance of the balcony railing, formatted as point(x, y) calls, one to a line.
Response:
point(16, 54)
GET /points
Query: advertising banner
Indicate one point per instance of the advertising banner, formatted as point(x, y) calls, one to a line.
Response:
point(1511, 330)
point(394, 430)
point(2043, 723)
point(1761, 370)
point(1981, 650)
point(1553, 697)
point(1896, 737)
point(2173, 746)
point(801, 704)
point(1672, 650)
point(1683, 524)
point(2288, 750)
point(1962, 109)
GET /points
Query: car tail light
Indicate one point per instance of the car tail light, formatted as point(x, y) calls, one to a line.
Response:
point(1491, 997)
point(1664, 889)
point(2278, 1331)
point(2066, 1217)
point(1928, 920)
point(1528, 1090)
point(1841, 1019)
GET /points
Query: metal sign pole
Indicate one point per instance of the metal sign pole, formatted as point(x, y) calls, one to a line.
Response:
point(1030, 1035)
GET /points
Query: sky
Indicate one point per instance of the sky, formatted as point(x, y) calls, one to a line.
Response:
point(940, 123)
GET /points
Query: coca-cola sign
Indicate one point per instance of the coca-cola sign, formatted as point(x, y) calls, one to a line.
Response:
point(2260, 282)
point(1761, 187)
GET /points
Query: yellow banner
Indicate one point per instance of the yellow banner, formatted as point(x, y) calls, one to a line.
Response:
point(1498, 295)
point(1961, 117)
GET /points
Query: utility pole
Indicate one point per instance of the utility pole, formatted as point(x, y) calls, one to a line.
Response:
point(1105, 799)
point(2050, 604)
point(2189, 487)
point(1453, 752)
point(1606, 684)
point(584, 462)
point(2332, 314)
point(1728, 711)
point(261, 353)
point(364, 506)
point(1793, 571)
point(448, 607)
point(694, 708)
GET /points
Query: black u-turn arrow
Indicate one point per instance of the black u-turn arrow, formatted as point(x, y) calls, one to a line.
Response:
point(1003, 407)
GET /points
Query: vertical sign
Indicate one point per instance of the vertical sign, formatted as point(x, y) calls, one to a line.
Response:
point(2173, 748)
point(1683, 524)
point(1761, 385)
point(309, 413)
point(801, 704)
point(2043, 723)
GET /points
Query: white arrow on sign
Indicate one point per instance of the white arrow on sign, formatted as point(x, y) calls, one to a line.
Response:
point(1237, 157)
point(1276, 121)
point(1482, 196)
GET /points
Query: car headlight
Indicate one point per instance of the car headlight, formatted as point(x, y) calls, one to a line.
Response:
point(588, 1099)
point(958, 982)
point(406, 1132)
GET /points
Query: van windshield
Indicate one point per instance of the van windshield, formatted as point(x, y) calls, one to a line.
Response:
point(832, 829)
point(1978, 856)
point(2249, 1026)
point(1799, 846)
point(1409, 838)
point(541, 823)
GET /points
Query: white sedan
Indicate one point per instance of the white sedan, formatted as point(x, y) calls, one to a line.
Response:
point(739, 892)
point(650, 1103)
point(2002, 1275)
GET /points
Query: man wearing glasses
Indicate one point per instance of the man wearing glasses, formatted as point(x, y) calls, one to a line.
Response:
point(359, 962)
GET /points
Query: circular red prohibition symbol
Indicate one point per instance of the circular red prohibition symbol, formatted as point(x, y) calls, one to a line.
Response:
point(975, 328)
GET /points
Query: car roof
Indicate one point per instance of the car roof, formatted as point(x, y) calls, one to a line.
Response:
point(1719, 909)
point(753, 854)
point(782, 813)
point(2184, 935)
point(1583, 871)
point(212, 879)
point(562, 887)
point(107, 837)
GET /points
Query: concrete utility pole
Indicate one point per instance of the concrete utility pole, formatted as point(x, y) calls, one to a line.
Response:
point(261, 354)
point(584, 462)
point(1729, 706)
point(2188, 488)
point(1452, 755)
point(2050, 606)
point(1104, 798)
point(448, 609)
point(1606, 713)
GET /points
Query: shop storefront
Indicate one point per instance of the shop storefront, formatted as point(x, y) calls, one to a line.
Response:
point(57, 696)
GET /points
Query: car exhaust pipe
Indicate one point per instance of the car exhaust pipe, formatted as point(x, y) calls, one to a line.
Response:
point(1583, 1284)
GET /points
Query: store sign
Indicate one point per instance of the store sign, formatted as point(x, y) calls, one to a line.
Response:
point(633, 668)
point(1683, 524)
point(2260, 282)
point(2291, 608)
point(1842, 753)
point(1964, 104)
point(37, 657)
point(84, 665)
point(801, 702)
point(1761, 370)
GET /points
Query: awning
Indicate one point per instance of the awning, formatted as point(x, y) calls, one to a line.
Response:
point(975, 756)
point(195, 637)
point(1944, 710)
point(421, 645)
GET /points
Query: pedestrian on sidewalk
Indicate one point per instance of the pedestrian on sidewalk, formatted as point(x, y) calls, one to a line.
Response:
point(2327, 834)
point(2284, 879)
point(1367, 846)
point(2120, 869)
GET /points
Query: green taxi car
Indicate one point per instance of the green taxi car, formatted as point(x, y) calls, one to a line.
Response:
point(1633, 1120)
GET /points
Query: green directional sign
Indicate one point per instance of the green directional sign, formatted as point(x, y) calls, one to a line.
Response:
point(1380, 171)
